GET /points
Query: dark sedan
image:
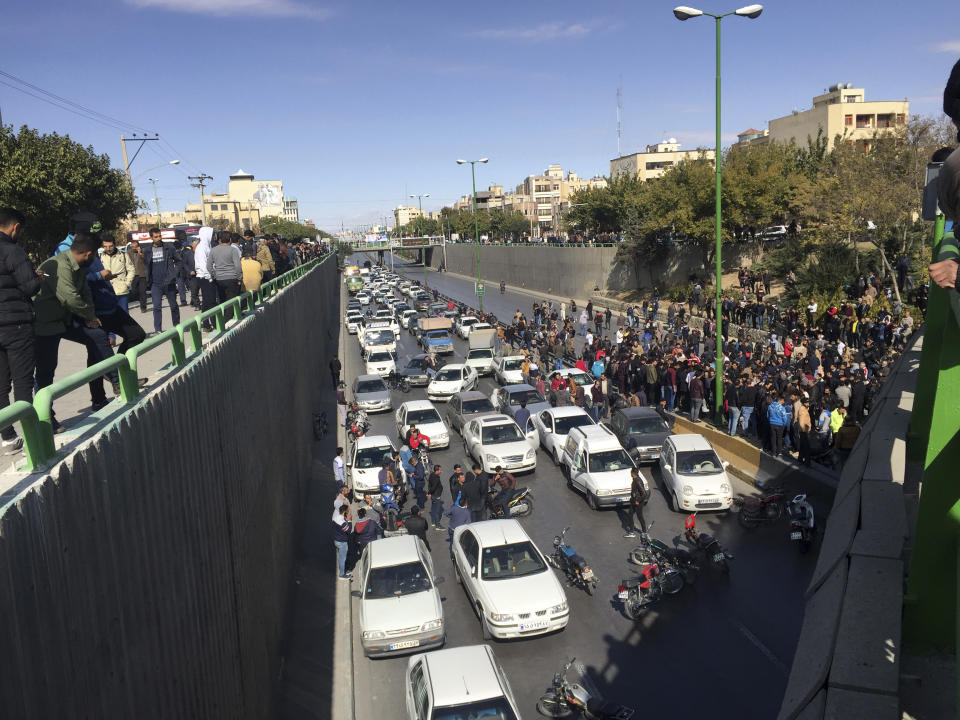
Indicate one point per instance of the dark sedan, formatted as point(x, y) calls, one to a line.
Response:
point(418, 371)
point(641, 431)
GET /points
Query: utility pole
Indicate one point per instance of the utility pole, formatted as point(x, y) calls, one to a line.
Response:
point(156, 201)
point(123, 144)
point(201, 180)
point(619, 113)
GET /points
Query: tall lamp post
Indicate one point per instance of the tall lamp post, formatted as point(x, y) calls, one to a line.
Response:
point(423, 250)
point(476, 222)
point(156, 201)
point(685, 13)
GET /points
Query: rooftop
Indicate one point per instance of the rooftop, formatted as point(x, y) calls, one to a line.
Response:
point(463, 674)
point(393, 550)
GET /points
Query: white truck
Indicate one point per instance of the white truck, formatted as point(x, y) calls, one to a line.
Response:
point(480, 353)
point(596, 465)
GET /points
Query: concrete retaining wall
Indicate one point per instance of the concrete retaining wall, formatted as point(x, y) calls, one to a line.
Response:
point(576, 271)
point(147, 576)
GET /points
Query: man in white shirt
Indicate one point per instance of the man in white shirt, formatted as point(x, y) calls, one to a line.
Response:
point(339, 471)
point(343, 498)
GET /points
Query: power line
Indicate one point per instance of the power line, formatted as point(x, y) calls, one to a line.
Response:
point(63, 107)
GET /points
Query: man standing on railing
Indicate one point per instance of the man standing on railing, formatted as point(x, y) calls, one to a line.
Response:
point(163, 265)
point(18, 282)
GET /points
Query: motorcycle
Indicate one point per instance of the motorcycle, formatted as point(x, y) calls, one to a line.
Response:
point(576, 569)
point(801, 522)
point(650, 552)
point(519, 503)
point(357, 422)
point(712, 551)
point(647, 588)
point(398, 382)
point(756, 510)
point(566, 698)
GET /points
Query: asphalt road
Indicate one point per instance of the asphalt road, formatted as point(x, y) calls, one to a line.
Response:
point(721, 649)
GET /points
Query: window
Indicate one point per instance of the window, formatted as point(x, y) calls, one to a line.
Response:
point(470, 547)
point(901, 118)
point(864, 121)
point(511, 561)
point(848, 120)
point(419, 687)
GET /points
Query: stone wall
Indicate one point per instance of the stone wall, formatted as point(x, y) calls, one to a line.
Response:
point(147, 575)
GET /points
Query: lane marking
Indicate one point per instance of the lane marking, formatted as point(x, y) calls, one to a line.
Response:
point(764, 650)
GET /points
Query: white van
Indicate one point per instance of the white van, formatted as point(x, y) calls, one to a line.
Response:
point(596, 465)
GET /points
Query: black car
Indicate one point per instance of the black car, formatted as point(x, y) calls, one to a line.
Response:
point(641, 431)
point(418, 371)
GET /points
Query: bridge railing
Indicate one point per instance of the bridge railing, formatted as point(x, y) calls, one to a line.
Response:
point(36, 419)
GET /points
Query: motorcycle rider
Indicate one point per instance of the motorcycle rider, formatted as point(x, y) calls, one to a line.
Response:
point(507, 484)
point(801, 512)
point(388, 485)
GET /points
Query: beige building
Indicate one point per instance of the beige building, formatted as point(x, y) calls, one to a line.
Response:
point(145, 221)
point(844, 111)
point(405, 214)
point(224, 212)
point(752, 137)
point(655, 161)
point(264, 195)
point(291, 210)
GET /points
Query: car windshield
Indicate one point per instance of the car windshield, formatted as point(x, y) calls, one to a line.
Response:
point(370, 386)
point(477, 406)
point(609, 460)
point(437, 335)
point(492, 709)
point(698, 462)
point(512, 363)
point(480, 354)
point(422, 417)
point(379, 337)
point(645, 425)
point(531, 396)
point(468, 322)
point(497, 434)
point(580, 378)
point(417, 364)
point(379, 357)
point(372, 457)
point(566, 424)
point(396, 580)
point(449, 374)
point(510, 561)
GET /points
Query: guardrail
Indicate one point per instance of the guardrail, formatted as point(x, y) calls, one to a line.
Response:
point(36, 419)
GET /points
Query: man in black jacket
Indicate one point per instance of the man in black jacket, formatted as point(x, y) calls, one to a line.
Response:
point(434, 495)
point(19, 281)
point(162, 264)
point(475, 488)
point(416, 525)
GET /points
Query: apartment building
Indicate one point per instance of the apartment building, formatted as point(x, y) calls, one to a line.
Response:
point(656, 160)
point(405, 214)
point(291, 210)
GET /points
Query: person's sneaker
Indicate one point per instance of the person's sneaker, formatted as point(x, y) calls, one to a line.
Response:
point(11, 447)
point(143, 382)
point(630, 535)
point(116, 388)
point(439, 527)
point(97, 405)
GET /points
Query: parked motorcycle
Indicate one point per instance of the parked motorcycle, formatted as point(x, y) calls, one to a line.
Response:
point(655, 551)
point(519, 504)
point(576, 569)
point(357, 422)
point(566, 698)
point(756, 510)
point(648, 587)
point(712, 551)
point(802, 522)
point(398, 382)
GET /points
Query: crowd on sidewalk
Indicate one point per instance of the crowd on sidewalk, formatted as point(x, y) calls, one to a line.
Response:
point(82, 294)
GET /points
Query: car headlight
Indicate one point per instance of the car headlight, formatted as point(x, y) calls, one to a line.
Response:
point(531, 454)
point(373, 635)
point(442, 436)
point(688, 490)
point(724, 487)
point(492, 459)
point(604, 492)
point(432, 625)
point(562, 607)
point(501, 618)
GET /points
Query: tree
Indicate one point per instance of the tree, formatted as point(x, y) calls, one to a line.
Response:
point(289, 229)
point(51, 177)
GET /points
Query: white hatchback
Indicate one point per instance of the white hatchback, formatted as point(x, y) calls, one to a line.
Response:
point(380, 362)
point(424, 415)
point(693, 475)
point(451, 379)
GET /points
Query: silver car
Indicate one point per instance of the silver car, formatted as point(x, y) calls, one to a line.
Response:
point(371, 393)
point(464, 406)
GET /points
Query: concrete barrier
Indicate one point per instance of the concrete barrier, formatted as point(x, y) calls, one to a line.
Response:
point(148, 574)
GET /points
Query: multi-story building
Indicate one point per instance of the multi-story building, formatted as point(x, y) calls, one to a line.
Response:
point(291, 211)
point(405, 214)
point(655, 161)
point(264, 195)
point(841, 111)
point(752, 137)
point(225, 212)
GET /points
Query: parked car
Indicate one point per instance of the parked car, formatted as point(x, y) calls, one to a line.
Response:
point(581, 378)
point(694, 478)
point(371, 393)
point(596, 465)
point(462, 682)
point(451, 379)
point(641, 431)
point(508, 370)
point(353, 322)
point(464, 324)
point(439, 341)
point(364, 463)
point(464, 406)
point(400, 606)
point(507, 580)
point(553, 425)
point(494, 440)
point(424, 415)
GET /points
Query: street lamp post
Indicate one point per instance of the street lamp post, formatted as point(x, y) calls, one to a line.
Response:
point(685, 13)
point(476, 222)
point(423, 250)
point(156, 201)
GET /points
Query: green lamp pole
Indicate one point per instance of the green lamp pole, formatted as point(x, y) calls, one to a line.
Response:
point(156, 201)
point(476, 222)
point(685, 13)
point(423, 251)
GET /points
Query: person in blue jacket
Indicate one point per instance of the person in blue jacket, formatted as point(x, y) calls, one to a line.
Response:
point(779, 420)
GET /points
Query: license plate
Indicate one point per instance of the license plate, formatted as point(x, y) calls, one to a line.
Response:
point(405, 644)
point(719, 557)
point(621, 501)
point(706, 501)
point(796, 535)
point(622, 595)
point(534, 625)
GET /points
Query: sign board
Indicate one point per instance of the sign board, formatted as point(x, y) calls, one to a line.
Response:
point(480, 289)
point(414, 242)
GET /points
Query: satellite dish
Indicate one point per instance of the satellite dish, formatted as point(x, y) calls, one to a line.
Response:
point(672, 141)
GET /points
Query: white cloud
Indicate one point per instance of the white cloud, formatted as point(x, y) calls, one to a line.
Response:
point(949, 46)
point(537, 33)
point(262, 8)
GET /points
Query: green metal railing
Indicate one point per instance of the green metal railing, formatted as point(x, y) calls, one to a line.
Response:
point(36, 419)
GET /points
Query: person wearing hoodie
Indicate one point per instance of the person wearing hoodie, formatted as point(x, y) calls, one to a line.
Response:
point(205, 284)
point(365, 530)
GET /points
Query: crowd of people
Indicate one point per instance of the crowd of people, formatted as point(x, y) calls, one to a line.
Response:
point(82, 295)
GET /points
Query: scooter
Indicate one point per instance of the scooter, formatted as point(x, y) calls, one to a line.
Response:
point(801, 522)
point(566, 698)
point(756, 510)
point(647, 588)
point(519, 504)
point(576, 569)
point(398, 382)
point(712, 551)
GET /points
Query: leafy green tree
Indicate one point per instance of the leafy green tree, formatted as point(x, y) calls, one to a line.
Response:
point(289, 229)
point(51, 177)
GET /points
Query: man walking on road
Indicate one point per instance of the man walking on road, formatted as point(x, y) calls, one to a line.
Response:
point(18, 283)
point(162, 263)
point(475, 488)
point(459, 515)
point(434, 493)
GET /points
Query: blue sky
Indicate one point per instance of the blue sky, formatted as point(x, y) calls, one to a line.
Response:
point(356, 105)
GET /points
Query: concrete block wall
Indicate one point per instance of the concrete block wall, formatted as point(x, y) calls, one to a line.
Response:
point(147, 576)
point(847, 663)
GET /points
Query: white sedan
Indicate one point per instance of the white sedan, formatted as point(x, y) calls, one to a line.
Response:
point(494, 440)
point(581, 378)
point(507, 580)
point(450, 380)
point(465, 323)
point(400, 606)
point(380, 362)
point(553, 425)
point(424, 415)
point(363, 298)
point(354, 320)
point(508, 370)
point(693, 475)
